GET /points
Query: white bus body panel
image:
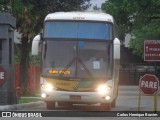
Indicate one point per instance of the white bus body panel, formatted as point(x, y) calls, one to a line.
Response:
point(35, 44)
point(116, 44)
point(92, 16)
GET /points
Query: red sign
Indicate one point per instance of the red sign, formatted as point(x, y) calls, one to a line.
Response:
point(3, 76)
point(149, 84)
point(152, 50)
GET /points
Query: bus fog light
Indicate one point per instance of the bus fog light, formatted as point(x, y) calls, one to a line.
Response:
point(107, 97)
point(43, 95)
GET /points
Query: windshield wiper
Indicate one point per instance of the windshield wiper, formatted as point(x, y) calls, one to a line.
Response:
point(71, 62)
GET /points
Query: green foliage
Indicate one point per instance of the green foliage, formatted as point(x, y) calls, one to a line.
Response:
point(140, 18)
point(17, 55)
point(151, 31)
point(96, 7)
point(30, 16)
point(29, 99)
point(121, 11)
point(35, 60)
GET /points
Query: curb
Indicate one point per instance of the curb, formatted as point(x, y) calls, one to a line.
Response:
point(19, 106)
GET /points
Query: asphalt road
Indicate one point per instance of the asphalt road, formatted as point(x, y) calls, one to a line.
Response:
point(127, 102)
point(124, 103)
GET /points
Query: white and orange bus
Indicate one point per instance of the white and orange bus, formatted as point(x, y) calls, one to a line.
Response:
point(80, 57)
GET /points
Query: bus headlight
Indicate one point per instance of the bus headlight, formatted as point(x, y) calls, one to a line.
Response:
point(43, 95)
point(103, 89)
point(47, 87)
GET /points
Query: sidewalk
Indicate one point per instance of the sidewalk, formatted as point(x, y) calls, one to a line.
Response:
point(19, 106)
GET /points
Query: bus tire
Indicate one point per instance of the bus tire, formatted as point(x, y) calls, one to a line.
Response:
point(113, 104)
point(50, 105)
point(105, 106)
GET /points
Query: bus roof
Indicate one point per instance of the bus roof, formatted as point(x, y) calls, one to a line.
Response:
point(92, 16)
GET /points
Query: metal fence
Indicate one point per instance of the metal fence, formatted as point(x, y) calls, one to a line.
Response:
point(33, 82)
point(130, 75)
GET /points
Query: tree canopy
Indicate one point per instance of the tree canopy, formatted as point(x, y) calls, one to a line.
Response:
point(140, 18)
point(30, 15)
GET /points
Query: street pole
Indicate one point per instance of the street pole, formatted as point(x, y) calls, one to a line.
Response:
point(139, 101)
point(156, 95)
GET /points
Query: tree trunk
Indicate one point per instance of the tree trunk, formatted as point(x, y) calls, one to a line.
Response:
point(24, 65)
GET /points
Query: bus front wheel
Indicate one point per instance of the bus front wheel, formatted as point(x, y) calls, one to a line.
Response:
point(50, 105)
point(105, 106)
point(113, 104)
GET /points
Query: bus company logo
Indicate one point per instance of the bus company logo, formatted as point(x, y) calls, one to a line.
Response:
point(75, 88)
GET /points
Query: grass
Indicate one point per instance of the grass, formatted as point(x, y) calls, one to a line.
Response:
point(29, 99)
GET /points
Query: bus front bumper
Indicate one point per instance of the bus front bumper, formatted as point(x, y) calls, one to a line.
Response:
point(76, 97)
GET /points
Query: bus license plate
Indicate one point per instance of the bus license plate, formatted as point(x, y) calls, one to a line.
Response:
point(75, 97)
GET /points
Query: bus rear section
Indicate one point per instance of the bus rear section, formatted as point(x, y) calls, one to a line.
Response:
point(80, 60)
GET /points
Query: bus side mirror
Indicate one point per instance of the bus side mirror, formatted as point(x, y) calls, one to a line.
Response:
point(35, 45)
point(116, 48)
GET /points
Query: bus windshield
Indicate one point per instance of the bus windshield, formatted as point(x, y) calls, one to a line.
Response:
point(81, 30)
point(77, 59)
